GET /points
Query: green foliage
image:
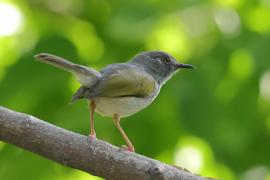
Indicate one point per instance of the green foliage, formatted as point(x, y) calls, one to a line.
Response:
point(214, 120)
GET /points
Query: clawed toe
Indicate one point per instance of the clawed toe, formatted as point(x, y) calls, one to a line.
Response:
point(130, 149)
point(92, 137)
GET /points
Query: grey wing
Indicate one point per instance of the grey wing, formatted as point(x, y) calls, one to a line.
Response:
point(121, 80)
point(88, 92)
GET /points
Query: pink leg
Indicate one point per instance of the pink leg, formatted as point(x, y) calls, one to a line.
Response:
point(116, 121)
point(92, 107)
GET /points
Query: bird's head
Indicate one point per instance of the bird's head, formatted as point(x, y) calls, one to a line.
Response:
point(159, 64)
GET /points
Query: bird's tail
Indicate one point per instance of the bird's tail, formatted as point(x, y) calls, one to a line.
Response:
point(57, 62)
point(86, 76)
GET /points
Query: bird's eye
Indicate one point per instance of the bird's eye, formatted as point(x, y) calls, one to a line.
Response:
point(166, 59)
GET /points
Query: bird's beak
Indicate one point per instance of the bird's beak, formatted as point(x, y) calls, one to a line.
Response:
point(184, 66)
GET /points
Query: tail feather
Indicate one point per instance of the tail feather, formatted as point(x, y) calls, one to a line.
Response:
point(58, 62)
point(80, 94)
point(86, 76)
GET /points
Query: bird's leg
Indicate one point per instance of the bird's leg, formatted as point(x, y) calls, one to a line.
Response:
point(92, 107)
point(116, 121)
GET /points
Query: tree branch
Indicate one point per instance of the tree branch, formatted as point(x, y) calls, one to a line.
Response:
point(74, 150)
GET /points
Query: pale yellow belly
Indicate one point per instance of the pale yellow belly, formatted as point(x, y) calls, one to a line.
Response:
point(123, 106)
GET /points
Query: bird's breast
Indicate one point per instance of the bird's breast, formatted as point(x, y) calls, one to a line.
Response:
point(123, 106)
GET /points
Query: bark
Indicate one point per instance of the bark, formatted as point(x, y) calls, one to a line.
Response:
point(98, 158)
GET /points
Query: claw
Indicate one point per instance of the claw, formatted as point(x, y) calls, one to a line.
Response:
point(92, 137)
point(130, 149)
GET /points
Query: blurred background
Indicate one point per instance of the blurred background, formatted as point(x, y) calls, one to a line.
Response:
point(214, 120)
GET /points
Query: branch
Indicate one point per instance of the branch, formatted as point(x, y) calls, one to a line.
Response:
point(74, 150)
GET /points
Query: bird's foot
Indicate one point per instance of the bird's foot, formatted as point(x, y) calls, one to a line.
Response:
point(92, 137)
point(130, 149)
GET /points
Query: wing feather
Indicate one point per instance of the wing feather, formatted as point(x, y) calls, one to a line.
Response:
point(124, 82)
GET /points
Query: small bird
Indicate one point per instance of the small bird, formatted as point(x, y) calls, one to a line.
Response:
point(121, 89)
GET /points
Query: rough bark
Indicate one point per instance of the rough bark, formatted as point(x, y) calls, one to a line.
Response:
point(74, 150)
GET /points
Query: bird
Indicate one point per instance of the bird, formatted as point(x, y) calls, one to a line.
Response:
point(120, 89)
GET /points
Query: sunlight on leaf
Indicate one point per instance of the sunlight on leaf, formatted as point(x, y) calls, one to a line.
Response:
point(268, 176)
point(189, 157)
point(264, 93)
point(241, 64)
point(197, 20)
point(229, 3)
point(8, 55)
point(65, 7)
point(192, 154)
point(10, 19)
point(265, 86)
point(241, 67)
point(258, 19)
point(196, 155)
point(90, 47)
point(17, 35)
point(169, 36)
point(256, 172)
point(228, 21)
